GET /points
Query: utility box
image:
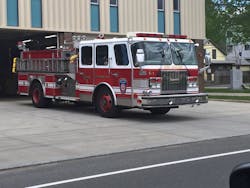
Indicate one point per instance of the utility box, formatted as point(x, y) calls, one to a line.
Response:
point(236, 78)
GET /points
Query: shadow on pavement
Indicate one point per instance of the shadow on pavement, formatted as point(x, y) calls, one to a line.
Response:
point(136, 115)
point(13, 98)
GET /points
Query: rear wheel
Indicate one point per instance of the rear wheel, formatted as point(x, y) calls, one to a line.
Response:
point(105, 103)
point(159, 111)
point(37, 96)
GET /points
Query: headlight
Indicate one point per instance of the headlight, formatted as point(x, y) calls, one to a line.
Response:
point(155, 83)
point(192, 85)
point(192, 82)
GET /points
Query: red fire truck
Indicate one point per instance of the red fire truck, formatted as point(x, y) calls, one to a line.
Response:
point(143, 70)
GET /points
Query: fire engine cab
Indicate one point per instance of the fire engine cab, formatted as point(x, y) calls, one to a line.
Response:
point(143, 70)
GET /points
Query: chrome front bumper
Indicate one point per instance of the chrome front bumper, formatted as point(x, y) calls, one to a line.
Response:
point(173, 100)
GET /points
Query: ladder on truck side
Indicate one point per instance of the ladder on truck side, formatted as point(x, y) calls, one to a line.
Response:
point(50, 61)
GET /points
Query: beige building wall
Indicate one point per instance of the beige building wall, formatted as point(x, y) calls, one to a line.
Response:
point(24, 13)
point(134, 15)
point(169, 17)
point(2, 13)
point(193, 18)
point(137, 15)
point(66, 15)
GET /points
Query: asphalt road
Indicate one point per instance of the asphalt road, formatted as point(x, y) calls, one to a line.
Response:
point(205, 164)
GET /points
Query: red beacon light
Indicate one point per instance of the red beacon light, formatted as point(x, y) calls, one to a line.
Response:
point(177, 36)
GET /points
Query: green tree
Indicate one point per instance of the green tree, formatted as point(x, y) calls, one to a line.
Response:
point(227, 20)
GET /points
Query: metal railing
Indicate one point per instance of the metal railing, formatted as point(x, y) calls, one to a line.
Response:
point(43, 65)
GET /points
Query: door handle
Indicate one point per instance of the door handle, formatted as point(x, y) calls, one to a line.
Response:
point(81, 73)
point(115, 74)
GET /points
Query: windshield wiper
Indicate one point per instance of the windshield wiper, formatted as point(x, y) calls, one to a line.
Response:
point(177, 54)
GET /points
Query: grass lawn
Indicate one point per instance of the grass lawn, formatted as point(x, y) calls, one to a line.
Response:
point(226, 90)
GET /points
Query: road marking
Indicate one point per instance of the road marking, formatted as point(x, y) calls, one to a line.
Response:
point(140, 168)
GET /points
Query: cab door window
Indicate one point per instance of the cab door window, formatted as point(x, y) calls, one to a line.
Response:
point(102, 55)
point(86, 53)
point(121, 55)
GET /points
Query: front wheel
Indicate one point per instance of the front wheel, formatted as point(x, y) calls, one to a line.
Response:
point(105, 103)
point(159, 111)
point(37, 96)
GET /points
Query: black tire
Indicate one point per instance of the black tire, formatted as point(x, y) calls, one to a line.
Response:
point(104, 103)
point(37, 96)
point(159, 111)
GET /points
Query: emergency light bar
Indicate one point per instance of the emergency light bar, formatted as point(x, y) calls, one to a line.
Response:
point(156, 35)
point(145, 34)
point(177, 36)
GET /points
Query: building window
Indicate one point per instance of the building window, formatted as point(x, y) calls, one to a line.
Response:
point(247, 47)
point(95, 15)
point(177, 5)
point(114, 24)
point(95, 2)
point(161, 5)
point(177, 18)
point(161, 16)
point(213, 54)
point(12, 13)
point(121, 55)
point(114, 2)
point(36, 13)
point(229, 48)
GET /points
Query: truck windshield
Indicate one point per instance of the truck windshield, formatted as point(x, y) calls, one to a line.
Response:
point(155, 53)
point(183, 53)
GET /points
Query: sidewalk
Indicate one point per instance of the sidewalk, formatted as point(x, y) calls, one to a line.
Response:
point(229, 97)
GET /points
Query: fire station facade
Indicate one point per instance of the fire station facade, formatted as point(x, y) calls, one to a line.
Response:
point(34, 21)
point(112, 17)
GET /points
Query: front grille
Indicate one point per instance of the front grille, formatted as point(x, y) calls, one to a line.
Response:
point(174, 81)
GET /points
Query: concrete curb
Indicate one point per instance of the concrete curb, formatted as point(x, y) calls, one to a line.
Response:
point(229, 100)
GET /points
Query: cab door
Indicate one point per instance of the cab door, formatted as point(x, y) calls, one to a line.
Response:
point(102, 63)
point(85, 74)
point(121, 73)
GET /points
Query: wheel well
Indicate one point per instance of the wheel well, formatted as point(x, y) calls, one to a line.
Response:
point(99, 87)
point(35, 81)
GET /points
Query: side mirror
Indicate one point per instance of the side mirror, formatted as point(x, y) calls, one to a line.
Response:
point(240, 176)
point(196, 44)
point(140, 56)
